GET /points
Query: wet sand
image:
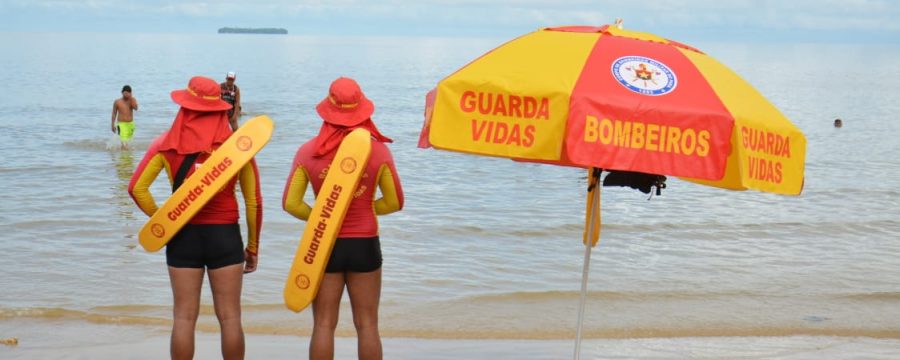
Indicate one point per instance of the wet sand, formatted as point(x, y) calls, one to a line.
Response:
point(65, 340)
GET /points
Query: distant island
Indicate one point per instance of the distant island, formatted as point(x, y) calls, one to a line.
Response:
point(235, 30)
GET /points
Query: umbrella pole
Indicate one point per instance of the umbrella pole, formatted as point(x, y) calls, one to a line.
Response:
point(593, 223)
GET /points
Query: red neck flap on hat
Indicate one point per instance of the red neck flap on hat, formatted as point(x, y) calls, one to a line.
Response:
point(196, 131)
point(330, 135)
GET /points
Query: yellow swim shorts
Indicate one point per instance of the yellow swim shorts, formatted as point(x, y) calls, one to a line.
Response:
point(126, 130)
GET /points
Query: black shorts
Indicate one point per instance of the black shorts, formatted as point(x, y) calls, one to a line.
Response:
point(355, 255)
point(206, 245)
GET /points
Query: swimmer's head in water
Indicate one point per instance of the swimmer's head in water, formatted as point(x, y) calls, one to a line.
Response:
point(838, 123)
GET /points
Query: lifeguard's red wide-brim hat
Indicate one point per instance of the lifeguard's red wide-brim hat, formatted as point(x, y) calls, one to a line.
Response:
point(345, 105)
point(201, 94)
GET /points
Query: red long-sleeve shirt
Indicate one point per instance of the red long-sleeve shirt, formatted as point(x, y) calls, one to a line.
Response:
point(221, 209)
point(360, 220)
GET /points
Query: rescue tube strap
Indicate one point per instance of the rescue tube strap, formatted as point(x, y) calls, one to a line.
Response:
point(183, 170)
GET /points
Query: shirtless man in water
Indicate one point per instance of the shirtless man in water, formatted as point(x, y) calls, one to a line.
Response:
point(122, 108)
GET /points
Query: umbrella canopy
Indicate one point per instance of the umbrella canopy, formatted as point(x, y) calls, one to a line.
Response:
point(616, 99)
point(613, 99)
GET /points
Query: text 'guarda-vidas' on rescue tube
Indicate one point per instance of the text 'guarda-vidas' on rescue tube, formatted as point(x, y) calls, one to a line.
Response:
point(207, 180)
point(319, 232)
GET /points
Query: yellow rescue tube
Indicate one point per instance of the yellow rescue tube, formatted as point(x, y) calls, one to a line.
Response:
point(326, 219)
point(222, 165)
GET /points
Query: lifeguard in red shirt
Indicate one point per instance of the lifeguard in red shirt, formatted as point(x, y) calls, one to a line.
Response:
point(211, 241)
point(355, 260)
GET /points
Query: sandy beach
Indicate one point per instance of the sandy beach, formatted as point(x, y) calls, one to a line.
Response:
point(56, 340)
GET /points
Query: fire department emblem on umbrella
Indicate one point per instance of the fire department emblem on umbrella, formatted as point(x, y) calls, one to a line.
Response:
point(644, 75)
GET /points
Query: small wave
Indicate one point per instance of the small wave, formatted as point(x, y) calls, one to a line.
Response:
point(166, 310)
point(569, 228)
point(110, 144)
point(551, 296)
point(45, 313)
point(67, 314)
point(876, 296)
point(92, 144)
point(274, 319)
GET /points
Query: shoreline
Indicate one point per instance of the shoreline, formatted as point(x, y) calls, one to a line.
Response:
point(63, 340)
point(499, 321)
point(522, 316)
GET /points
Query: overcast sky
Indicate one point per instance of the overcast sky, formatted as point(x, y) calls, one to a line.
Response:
point(744, 20)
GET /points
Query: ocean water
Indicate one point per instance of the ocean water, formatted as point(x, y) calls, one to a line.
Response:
point(485, 248)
